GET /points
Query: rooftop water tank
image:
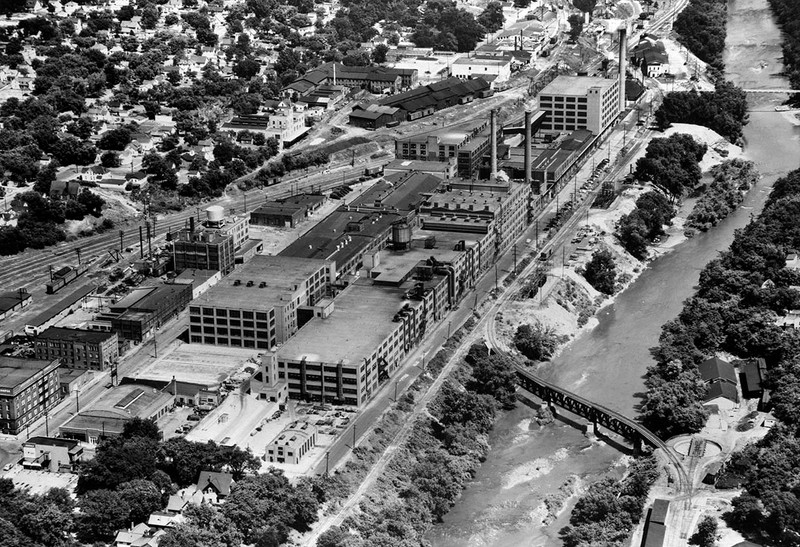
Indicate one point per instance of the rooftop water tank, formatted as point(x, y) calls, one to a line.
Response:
point(215, 214)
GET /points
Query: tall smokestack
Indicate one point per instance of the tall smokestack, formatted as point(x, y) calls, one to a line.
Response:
point(191, 225)
point(493, 141)
point(149, 240)
point(141, 243)
point(623, 55)
point(528, 139)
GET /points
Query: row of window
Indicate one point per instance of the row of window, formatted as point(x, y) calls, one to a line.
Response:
point(222, 312)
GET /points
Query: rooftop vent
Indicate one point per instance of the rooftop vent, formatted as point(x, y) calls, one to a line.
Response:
point(262, 284)
point(237, 282)
point(250, 283)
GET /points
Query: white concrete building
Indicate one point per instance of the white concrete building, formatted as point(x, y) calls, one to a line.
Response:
point(580, 102)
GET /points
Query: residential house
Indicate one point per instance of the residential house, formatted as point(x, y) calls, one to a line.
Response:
point(215, 486)
point(721, 381)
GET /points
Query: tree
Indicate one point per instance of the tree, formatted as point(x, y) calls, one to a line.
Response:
point(103, 512)
point(575, 26)
point(115, 139)
point(586, 6)
point(492, 375)
point(706, 534)
point(601, 271)
point(268, 504)
point(110, 159)
point(70, 151)
point(142, 497)
point(140, 427)
point(379, 53)
point(492, 17)
point(537, 342)
point(246, 68)
point(674, 406)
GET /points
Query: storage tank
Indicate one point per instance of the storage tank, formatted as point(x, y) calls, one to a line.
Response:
point(215, 215)
point(401, 235)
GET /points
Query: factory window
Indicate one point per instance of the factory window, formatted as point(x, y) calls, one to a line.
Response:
point(208, 330)
point(582, 100)
point(235, 313)
point(262, 326)
point(262, 345)
point(208, 311)
point(208, 320)
point(247, 314)
point(261, 316)
point(248, 333)
point(249, 344)
point(222, 313)
point(236, 332)
point(222, 341)
point(208, 340)
point(194, 309)
point(235, 323)
point(222, 321)
point(222, 332)
point(194, 319)
point(247, 324)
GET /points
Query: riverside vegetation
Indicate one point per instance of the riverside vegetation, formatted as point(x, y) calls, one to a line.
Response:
point(444, 451)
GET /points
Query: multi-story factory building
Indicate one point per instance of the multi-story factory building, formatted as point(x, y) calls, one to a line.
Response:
point(580, 102)
point(262, 303)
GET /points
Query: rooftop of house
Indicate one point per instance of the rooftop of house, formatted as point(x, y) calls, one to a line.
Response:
point(722, 389)
point(714, 368)
point(220, 482)
point(576, 85)
point(262, 283)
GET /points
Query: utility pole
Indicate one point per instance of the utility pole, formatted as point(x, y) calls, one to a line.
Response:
point(327, 462)
point(515, 258)
point(121, 236)
point(495, 276)
point(78, 250)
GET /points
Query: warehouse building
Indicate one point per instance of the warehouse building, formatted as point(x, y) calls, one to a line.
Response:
point(11, 301)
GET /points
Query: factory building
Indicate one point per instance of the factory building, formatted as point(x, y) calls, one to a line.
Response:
point(214, 244)
point(144, 309)
point(580, 102)
point(262, 303)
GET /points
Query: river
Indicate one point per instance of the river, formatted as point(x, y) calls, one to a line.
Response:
point(528, 464)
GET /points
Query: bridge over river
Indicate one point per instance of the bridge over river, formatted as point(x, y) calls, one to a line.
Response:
point(603, 416)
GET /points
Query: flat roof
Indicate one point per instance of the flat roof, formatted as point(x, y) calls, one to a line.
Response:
point(76, 335)
point(342, 234)
point(198, 364)
point(576, 85)
point(418, 165)
point(15, 370)
point(196, 274)
point(395, 267)
point(402, 191)
point(361, 321)
point(119, 405)
point(282, 275)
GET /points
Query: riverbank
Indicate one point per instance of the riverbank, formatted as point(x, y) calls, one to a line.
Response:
point(567, 303)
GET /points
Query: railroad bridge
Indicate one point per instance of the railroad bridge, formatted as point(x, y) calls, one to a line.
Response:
point(597, 414)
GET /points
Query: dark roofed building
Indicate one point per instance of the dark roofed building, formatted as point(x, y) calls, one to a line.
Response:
point(11, 301)
point(216, 482)
point(659, 511)
point(375, 116)
point(715, 369)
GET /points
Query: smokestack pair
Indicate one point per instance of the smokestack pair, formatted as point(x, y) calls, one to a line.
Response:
point(528, 139)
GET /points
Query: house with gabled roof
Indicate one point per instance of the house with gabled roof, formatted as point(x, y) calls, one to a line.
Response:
point(215, 485)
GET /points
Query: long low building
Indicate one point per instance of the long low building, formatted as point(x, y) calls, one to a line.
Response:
point(425, 100)
point(107, 417)
point(11, 301)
